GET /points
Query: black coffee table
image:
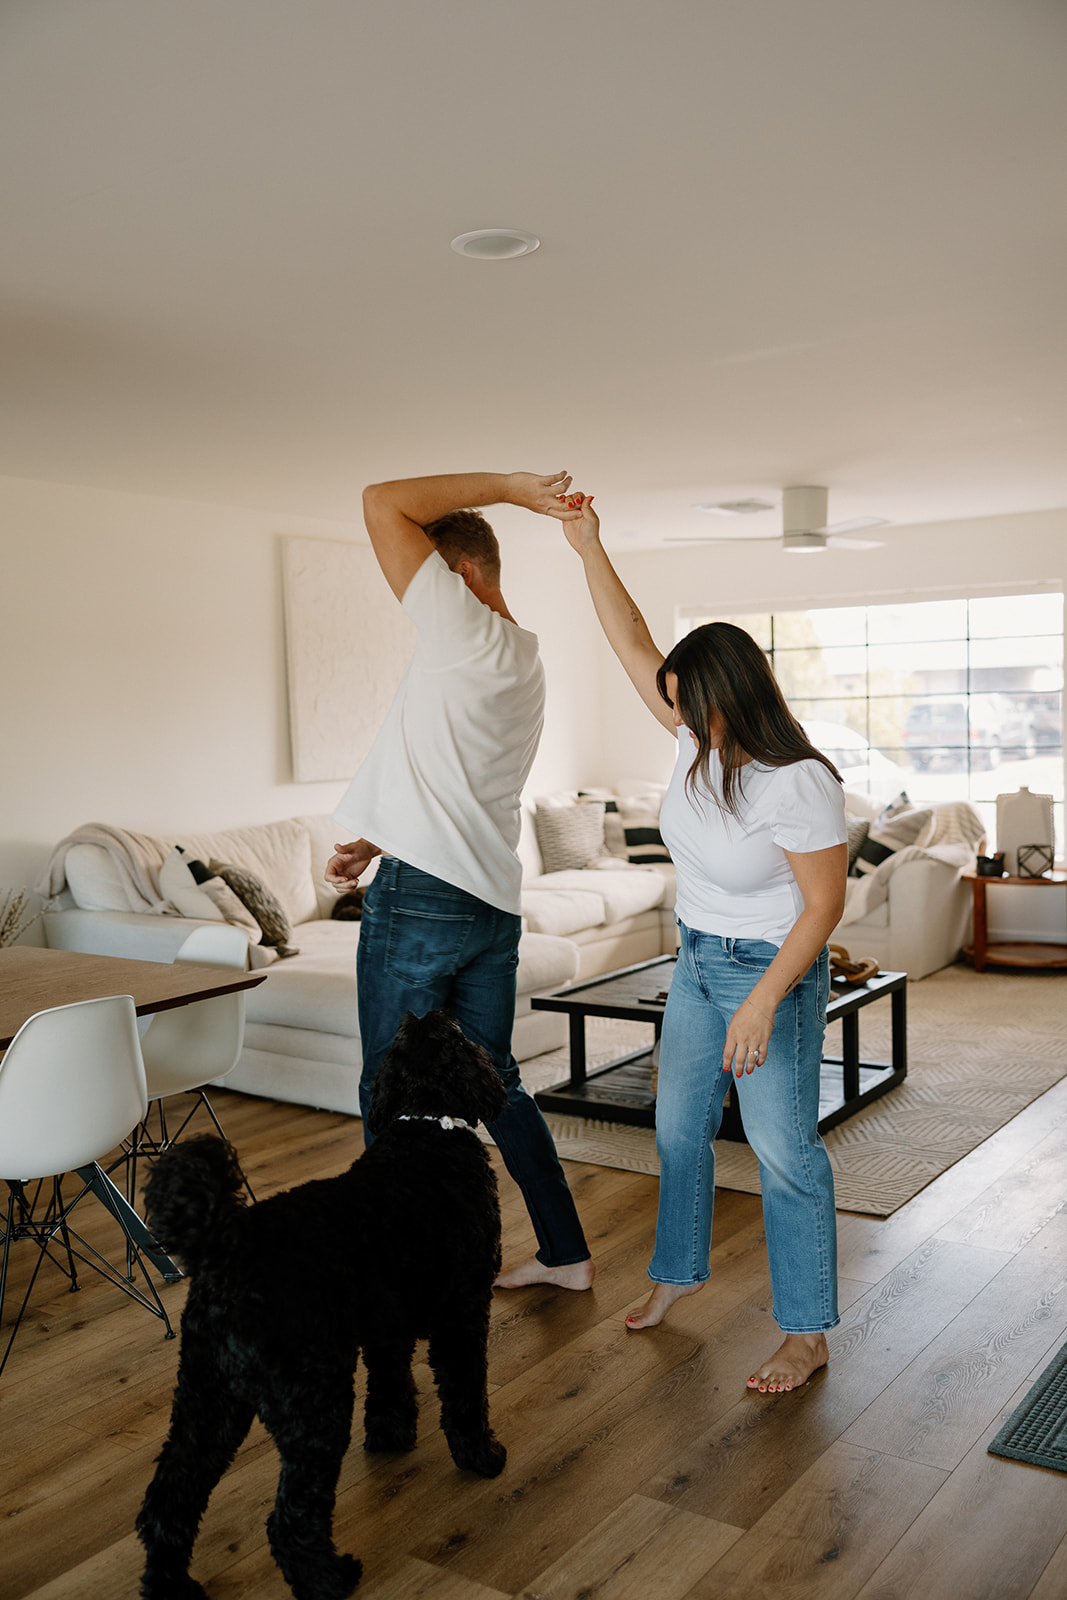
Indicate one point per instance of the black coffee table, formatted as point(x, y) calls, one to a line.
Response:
point(621, 1091)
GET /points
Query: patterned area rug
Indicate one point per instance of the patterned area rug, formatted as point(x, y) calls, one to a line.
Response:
point(981, 1046)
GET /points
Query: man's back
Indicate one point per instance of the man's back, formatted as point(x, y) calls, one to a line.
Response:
point(440, 788)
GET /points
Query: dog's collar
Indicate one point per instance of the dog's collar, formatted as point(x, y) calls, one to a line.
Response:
point(445, 1122)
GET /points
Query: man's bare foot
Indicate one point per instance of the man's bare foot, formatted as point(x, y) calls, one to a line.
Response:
point(578, 1275)
point(659, 1303)
point(792, 1364)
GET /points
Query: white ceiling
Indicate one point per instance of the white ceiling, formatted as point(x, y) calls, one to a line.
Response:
point(783, 241)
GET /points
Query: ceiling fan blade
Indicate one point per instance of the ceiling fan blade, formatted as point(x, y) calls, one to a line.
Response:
point(693, 538)
point(855, 524)
point(854, 544)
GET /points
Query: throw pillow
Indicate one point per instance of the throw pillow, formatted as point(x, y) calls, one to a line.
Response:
point(858, 829)
point(631, 830)
point(178, 885)
point(644, 842)
point(570, 837)
point(234, 910)
point(897, 827)
point(263, 905)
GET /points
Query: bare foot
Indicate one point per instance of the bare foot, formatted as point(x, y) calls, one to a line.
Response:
point(792, 1364)
point(659, 1303)
point(578, 1275)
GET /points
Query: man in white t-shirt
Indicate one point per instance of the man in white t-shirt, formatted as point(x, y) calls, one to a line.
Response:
point(439, 794)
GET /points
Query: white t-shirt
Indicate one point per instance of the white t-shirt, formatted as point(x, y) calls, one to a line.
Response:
point(440, 787)
point(733, 876)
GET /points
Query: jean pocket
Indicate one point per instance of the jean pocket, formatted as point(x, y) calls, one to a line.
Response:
point(423, 945)
point(754, 954)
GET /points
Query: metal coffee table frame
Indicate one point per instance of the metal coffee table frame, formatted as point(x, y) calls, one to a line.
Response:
point(620, 1091)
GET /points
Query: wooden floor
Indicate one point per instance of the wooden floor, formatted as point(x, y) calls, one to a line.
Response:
point(639, 1467)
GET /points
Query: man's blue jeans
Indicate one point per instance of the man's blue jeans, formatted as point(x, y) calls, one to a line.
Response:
point(427, 946)
point(779, 1104)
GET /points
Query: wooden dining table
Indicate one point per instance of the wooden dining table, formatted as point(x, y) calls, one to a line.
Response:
point(34, 979)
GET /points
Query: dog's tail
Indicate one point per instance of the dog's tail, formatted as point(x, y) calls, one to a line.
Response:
point(193, 1198)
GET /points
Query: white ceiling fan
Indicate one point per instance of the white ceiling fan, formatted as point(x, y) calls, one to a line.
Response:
point(804, 524)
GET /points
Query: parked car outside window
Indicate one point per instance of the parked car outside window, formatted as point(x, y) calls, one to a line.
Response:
point(938, 733)
point(860, 765)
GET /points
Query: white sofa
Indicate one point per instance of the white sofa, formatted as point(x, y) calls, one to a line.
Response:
point(302, 1030)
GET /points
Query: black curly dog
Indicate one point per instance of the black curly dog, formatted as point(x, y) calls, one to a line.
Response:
point(286, 1293)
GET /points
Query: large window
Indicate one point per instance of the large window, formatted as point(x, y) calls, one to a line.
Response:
point(944, 699)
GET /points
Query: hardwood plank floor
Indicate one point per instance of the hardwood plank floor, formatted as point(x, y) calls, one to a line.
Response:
point(639, 1466)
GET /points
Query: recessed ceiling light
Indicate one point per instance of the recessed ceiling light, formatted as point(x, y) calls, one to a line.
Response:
point(736, 508)
point(495, 244)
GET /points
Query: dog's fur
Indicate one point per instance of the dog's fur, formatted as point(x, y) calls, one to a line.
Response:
point(285, 1294)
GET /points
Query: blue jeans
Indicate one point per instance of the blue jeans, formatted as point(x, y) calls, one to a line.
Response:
point(427, 946)
point(779, 1105)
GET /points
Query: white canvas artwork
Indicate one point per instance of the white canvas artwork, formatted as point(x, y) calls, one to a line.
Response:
point(347, 644)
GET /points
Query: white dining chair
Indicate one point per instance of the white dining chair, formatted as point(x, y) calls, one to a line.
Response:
point(72, 1085)
point(188, 1048)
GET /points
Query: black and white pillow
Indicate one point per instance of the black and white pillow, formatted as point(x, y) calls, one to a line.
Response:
point(631, 831)
point(898, 826)
point(858, 829)
point(264, 906)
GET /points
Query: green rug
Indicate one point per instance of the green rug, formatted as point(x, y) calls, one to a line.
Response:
point(981, 1047)
point(1036, 1431)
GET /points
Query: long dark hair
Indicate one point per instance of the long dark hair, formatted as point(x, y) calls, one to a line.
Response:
point(722, 670)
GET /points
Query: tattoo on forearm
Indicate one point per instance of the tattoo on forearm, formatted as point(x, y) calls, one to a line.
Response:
point(635, 615)
point(791, 986)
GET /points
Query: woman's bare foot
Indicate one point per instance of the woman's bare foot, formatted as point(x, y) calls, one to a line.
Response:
point(578, 1275)
point(799, 1355)
point(659, 1303)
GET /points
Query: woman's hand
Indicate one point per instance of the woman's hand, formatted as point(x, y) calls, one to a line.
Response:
point(747, 1038)
point(584, 530)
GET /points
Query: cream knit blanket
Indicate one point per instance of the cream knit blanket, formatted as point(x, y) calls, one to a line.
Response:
point(136, 858)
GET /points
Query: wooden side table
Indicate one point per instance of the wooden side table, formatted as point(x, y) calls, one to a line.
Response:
point(1011, 952)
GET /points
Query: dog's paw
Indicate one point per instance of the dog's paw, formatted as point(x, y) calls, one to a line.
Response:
point(486, 1458)
point(349, 1571)
point(389, 1438)
point(179, 1587)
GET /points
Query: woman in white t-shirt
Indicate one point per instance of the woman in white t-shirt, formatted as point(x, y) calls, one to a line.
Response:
point(754, 820)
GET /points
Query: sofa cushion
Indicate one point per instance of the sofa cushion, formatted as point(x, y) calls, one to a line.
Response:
point(315, 989)
point(561, 911)
point(623, 893)
point(545, 962)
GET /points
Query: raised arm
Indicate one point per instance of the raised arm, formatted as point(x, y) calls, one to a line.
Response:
point(397, 512)
point(623, 625)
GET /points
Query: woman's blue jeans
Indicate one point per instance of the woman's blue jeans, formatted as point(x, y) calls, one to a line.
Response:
point(779, 1104)
point(427, 946)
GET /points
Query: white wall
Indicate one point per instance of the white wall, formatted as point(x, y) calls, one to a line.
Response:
point(143, 664)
